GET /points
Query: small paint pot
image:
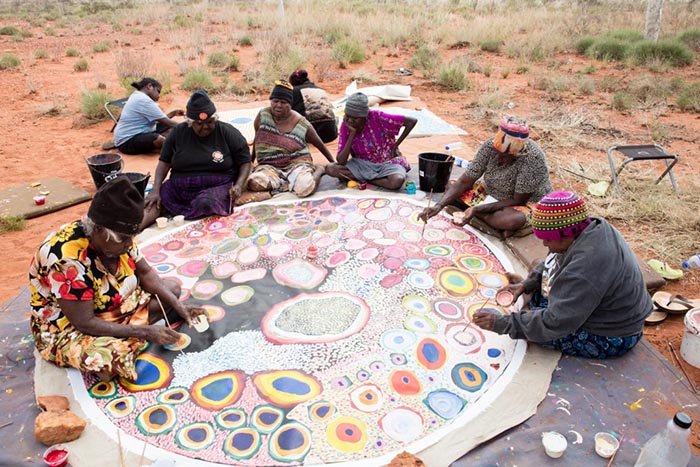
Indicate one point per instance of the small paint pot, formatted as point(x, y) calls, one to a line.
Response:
point(39, 200)
point(605, 444)
point(554, 444)
point(504, 298)
point(179, 220)
point(201, 323)
point(56, 455)
point(362, 186)
point(312, 252)
point(162, 222)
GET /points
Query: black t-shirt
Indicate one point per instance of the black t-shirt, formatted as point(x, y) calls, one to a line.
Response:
point(222, 152)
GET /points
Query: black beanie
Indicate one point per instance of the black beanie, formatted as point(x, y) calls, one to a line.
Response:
point(118, 206)
point(200, 107)
point(283, 91)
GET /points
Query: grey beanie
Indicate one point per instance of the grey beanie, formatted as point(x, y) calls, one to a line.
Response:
point(357, 105)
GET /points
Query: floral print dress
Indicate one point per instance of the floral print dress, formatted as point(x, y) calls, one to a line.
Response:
point(67, 267)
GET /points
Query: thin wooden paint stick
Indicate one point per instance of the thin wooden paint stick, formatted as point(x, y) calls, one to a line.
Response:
point(430, 198)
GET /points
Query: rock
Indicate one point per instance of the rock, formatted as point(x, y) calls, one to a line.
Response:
point(53, 403)
point(406, 459)
point(58, 427)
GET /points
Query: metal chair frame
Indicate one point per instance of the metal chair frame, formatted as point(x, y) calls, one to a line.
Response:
point(119, 103)
point(643, 152)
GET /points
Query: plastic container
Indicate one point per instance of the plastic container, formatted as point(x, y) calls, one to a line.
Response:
point(410, 188)
point(690, 346)
point(554, 444)
point(454, 146)
point(162, 222)
point(104, 167)
point(139, 180)
point(605, 444)
point(692, 262)
point(56, 456)
point(668, 448)
point(39, 200)
point(434, 170)
point(179, 219)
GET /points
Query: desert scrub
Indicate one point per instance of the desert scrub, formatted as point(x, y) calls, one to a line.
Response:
point(8, 61)
point(491, 45)
point(40, 53)
point(622, 101)
point(626, 35)
point(246, 40)
point(81, 64)
point(196, 79)
point(11, 224)
point(689, 98)
point(583, 44)
point(609, 49)
point(425, 59)
point(223, 61)
point(92, 104)
point(691, 38)
point(102, 46)
point(674, 53)
point(183, 21)
point(453, 77)
point(8, 31)
point(348, 51)
point(72, 52)
point(586, 87)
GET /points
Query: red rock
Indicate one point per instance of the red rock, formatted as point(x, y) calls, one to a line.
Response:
point(406, 459)
point(58, 427)
point(53, 403)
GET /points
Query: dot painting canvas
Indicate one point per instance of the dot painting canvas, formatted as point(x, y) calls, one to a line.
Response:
point(339, 332)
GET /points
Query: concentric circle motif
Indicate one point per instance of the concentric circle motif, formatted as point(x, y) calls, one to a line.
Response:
point(214, 312)
point(327, 226)
point(377, 366)
point(472, 263)
point(174, 245)
point(416, 303)
point(379, 214)
point(299, 274)
point(367, 254)
point(420, 280)
point(246, 231)
point(193, 252)
point(433, 235)
point(475, 307)
point(286, 388)
point(174, 395)
point(152, 373)
point(347, 434)
point(248, 275)
point(152, 248)
point(474, 249)
point(385, 241)
point(405, 382)
point(261, 211)
point(418, 264)
point(242, 443)
point(398, 340)
point(321, 411)
point(398, 359)
point(249, 254)
point(194, 268)
point(488, 292)
point(431, 354)
point(206, 289)
point(468, 376)
point(195, 436)
point(367, 398)
point(353, 244)
point(402, 424)
point(447, 309)
point(467, 338)
point(155, 258)
point(393, 264)
point(266, 418)
point(338, 258)
point(225, 247)
point(395, 252)
point(237, 295)
point(444, 403)
point(182, 343)
point(231, 418)
point(372, 234)
point(156, 420)
point(103, 389)
point(218, 390)
point(381, 202)
point(121, 406)
point(289, 443)
point(438, 250)
point(163, 268)
point(362, 375)
point(492, 279)
point(455, 282)
point(391, 280)
point(278, 249)
point(364, 204)
point(457, 234)
point(225, 269)
point(262, 240)
point(410, 236)
point(419, 324)
point(297, 233)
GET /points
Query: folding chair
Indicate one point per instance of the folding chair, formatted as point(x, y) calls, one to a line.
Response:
point(119, 104)
point(643, 152)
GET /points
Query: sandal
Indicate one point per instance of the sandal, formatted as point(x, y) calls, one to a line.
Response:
point(664, 270)
point(674, 303)
point(656, 316)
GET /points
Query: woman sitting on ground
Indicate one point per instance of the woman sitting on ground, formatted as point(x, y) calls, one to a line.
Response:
point(515, 173)
point(92, 292)
point(312, 102)
point(142, 126)
point(589, 298)
point(281, 150)
point(208, 162)
point(372, 138)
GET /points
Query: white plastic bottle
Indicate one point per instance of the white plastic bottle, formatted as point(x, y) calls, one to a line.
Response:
point(668, 448)
point(450, 148)
point(692, 262)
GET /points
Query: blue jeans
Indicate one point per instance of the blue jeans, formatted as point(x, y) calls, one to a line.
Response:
point(583, 343)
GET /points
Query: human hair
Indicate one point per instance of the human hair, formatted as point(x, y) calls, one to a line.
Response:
point(145, 82)
point(89, 228)
point(190, 121)
point(299, 77)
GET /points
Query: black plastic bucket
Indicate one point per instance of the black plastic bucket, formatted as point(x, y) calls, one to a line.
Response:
point(104, 167)
point(139, 180)
point(434, 170)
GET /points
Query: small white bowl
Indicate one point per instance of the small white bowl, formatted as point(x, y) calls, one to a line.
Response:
point(554, 444)
point(179, 220)
point(606, 444)
point(162, 222)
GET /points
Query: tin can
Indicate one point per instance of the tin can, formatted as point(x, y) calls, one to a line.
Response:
point(312, 252)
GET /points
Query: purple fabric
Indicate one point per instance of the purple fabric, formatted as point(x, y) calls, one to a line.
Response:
point(197, 196)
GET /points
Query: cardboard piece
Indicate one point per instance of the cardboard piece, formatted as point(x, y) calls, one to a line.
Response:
point(19, 200)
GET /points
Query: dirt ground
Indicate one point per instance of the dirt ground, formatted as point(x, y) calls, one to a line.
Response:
point(43, 135)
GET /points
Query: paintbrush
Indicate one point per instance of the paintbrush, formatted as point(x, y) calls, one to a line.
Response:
point(165, 316)
point(143, 453)
point(612, 458)
point(430, 198)
point(680, 365)
point(469, 322)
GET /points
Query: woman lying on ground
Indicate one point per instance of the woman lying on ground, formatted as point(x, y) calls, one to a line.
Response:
point(313, 103)
point(142, 126)
point(208, 162)
point(515, 173)
point(284, 162)
point(92, 292)
point(589, 298)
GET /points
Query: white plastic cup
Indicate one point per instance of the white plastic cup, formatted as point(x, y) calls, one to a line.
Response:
point(201, 323)
point(554, 444)
point(162, 222)
point(605, 444)
point(179, 220)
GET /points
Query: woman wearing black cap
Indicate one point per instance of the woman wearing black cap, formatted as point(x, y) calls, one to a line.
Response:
point(208, 162)
point(312, 102)
point(92, 291)
point(281, 149)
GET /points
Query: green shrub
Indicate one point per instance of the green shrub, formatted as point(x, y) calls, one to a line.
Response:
point(689, 98)
point(183, 21)
point(425, 59)
point(9, 61)
point(609, 49)
point(589, 70)
point(8, 31)
point(50, 32)
point(223, 61)
point(691, 38)
point(348, 51)
point(586, 87)
point(622, 101)
point(11, 224)
point(198, 79)
point(453, 77)
point(72, 52)
point(334, 35)
point(491, 45)
point(583, 44)
point(81, 64)
point(41, 53)
point(102, 46)
point(626, 35)
point(246, 40)
point(92, 104)
point(674, 53)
